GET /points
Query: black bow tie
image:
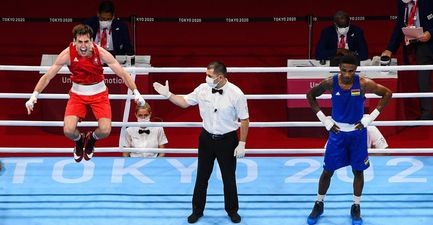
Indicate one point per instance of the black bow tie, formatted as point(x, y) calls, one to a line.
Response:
point(143, 131)
point(217, 90)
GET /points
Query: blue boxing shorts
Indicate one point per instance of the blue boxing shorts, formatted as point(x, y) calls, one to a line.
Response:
point(347, 148)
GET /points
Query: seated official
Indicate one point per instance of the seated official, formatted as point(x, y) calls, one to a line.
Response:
point(144, 137)
point(340, 39)
point(109, 32)
point(375, 139)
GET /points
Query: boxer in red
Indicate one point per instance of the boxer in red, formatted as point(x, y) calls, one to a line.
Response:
point(85, 61)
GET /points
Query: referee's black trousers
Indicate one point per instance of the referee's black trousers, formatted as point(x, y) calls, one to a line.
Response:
point(223, 151)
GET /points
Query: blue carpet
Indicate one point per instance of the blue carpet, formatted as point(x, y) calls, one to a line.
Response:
point(274, 191)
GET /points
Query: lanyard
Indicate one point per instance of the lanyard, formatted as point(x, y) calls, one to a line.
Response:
point(410, 16)
point(108, 38)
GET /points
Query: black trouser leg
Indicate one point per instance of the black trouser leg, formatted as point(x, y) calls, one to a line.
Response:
point(424, 56)
point(227, 164)
point(206, 158)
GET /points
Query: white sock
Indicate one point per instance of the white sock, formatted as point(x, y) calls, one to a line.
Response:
point(356, 199)
point(77, 138)
point(320, 197)
point(94, 135)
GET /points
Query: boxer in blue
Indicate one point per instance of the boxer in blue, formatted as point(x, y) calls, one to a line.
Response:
point(347, 142)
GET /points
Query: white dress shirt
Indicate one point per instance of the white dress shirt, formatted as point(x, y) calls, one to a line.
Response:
point(109, 38)
point(346, 45)
point(154, 139)
point(375, 139)
point(407, 13)
point(220, 113)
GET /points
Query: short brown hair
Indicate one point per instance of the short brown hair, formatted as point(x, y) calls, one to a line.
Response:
point(145, 106)
point(82, 29)
point(218, 68)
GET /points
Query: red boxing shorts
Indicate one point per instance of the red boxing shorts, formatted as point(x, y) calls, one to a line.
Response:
point(100, 104)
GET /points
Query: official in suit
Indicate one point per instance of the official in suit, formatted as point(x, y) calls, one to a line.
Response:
point(110, 32)
point(417, 13)
point(340, 39)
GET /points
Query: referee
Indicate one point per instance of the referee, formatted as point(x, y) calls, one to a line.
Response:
point(221, 105)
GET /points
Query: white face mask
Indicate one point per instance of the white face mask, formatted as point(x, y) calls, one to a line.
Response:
point(406, 1)
point(146, 119)
point(342, 30)
point(105, 24)
point(210, 82)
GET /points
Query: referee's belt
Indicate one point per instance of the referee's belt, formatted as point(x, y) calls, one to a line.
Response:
point(217, 137)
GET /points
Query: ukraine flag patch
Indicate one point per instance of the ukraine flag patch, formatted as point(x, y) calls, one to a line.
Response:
point(366, 161)
point(355, 92)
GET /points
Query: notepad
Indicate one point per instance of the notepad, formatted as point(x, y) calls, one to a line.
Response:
point(412, 32)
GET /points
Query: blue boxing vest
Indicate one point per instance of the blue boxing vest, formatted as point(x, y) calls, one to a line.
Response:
point(347, 105)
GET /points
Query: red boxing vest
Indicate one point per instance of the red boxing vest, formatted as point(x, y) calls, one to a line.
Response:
point(85, 70)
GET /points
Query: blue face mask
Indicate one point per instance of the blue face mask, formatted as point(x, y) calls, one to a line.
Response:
point(145, 119)
point(105, 24)
point(342, 30)
point(210, 82)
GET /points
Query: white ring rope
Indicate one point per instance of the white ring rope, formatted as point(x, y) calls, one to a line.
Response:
point(146, 70)
point(27, 123)
point(194, 150)
point(251, 97)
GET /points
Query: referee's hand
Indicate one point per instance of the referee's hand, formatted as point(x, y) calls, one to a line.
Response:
point(240, 150)
point(163, 90)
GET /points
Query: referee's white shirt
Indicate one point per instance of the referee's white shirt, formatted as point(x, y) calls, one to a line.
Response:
point(220, 113)
point(154, 139)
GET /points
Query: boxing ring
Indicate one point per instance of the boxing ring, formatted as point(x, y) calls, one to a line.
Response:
point(272, 190)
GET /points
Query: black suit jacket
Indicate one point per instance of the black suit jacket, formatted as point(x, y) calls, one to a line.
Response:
point(327, 46)
point(425, 10)
point(120, 34)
